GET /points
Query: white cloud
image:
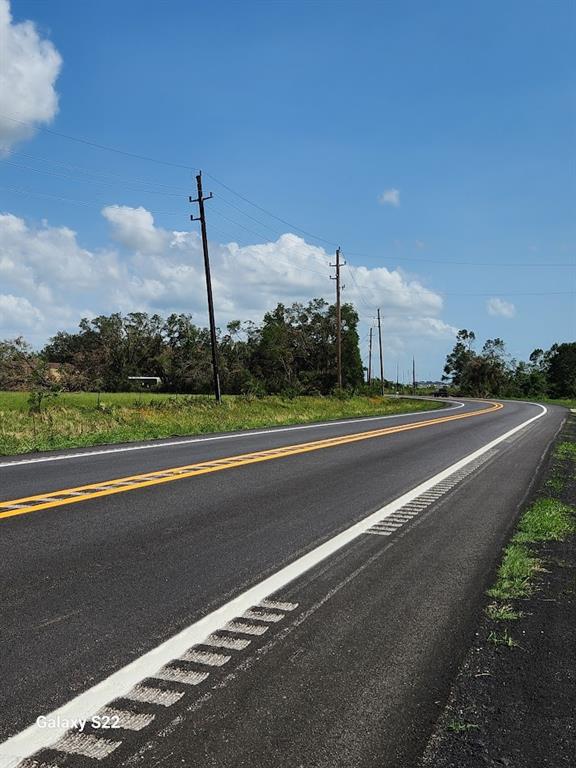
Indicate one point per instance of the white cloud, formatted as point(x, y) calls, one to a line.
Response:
point(29, 67)
point(500, 308)
point(390, 197)
point(18, 315)
point(134, 228)
point(158, 270)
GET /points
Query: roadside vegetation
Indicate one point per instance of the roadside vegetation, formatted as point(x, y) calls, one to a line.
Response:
point(546, 520)
point(548, 375)
point(82, 419)
point(523, 648)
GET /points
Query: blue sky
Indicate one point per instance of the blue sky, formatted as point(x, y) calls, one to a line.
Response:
point(433, 141)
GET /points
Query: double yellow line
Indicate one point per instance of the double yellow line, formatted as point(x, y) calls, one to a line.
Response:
point(119, 485)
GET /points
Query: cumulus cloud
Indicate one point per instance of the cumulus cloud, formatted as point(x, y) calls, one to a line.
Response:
point(29, 67)
point(134, 228)
point(18, 315)
point(152, 269)
point(500, 308)
point(390, 197)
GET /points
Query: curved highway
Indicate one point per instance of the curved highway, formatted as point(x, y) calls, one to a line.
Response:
point(283, 597)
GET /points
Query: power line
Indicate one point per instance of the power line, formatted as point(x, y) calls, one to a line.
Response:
point(97, 145)
point(474, 263)
point(76, 201)
point(269, 213)
point(147, 158)
point(96, 172)
point(101, 182)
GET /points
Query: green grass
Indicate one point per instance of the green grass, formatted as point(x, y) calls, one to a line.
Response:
point(18, 401)
point(502, 638)
point(83, 419)
point(460, 726)
point(503, 612)
point(546, 520)
point(555, 483)
point(514, 578)
point(566, 450)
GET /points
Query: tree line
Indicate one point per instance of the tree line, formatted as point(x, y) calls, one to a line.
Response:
point(491, 372)
point(292, 351)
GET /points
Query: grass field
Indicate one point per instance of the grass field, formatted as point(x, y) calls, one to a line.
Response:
point(83, 419)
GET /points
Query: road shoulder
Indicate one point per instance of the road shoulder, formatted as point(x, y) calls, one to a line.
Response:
point(514, 698)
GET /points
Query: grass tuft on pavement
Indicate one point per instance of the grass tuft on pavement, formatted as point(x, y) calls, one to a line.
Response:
point(503, 612)
point(461, 726)
point(503, 638)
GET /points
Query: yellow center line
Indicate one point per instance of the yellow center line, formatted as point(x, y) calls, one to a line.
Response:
point(119, 485)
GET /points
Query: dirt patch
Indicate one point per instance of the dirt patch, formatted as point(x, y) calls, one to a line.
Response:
point(514, 700)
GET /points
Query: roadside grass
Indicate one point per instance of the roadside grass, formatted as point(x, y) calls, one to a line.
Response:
point(503, 638)
point(566, 450)
point(514, 578)
point(546, 520)
point(503, 612)
point(460, 726)
point(84, 419)
point(555, 483)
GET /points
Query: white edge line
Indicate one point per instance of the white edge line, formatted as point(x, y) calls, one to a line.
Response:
point(32, 739)
point(210, 438)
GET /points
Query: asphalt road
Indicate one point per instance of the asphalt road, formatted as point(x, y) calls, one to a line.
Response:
point(354, 670)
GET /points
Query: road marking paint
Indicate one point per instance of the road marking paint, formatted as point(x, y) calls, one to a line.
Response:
point(387, 528)
point(231, 643)
point(212, 438)
point(245, 629)
point(263, 616)
point(126, 682)
point(87, 745)
point(179, 675)
point(9, 508)
point(129, 721)
point(278, 606)
point(205, 657)
point(426, 500)
point(148, 695)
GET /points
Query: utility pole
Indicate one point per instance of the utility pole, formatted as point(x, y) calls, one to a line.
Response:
point(397, 382)
point(338, 318)
point(214, 343)
point(370, 358)
point(380, 345)
point(413, 376)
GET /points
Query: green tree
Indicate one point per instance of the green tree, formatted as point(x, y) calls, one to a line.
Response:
point(561, 370)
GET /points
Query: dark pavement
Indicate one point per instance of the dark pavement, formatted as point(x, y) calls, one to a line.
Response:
point(355, 676)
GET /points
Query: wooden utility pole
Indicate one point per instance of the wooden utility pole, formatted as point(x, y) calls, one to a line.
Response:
point(370, 358)
point(380, 346)
point(413, 376)
point(338, 319)
point(214, 342)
